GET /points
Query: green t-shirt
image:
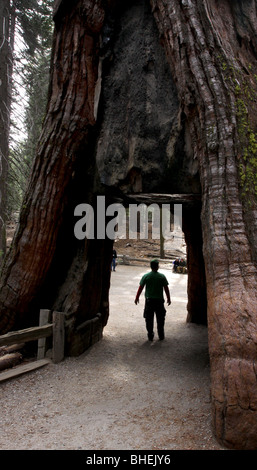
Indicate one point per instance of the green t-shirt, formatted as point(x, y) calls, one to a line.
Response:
point(154, 283)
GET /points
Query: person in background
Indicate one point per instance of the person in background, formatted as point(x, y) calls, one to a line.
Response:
point(114, 257)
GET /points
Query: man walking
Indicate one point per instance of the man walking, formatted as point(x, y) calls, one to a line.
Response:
point(154, 284)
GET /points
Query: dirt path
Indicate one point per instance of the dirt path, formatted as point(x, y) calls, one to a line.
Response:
point(125, 392)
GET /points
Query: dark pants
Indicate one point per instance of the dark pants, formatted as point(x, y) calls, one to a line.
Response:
point(154, 306)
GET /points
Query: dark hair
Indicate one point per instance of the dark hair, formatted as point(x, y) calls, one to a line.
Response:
point(154, 264)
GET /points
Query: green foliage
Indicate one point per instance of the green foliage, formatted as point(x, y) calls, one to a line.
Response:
point(248, 145)
point(34, 18)
point(36, 78)
point(19, 169)
point(245, 100)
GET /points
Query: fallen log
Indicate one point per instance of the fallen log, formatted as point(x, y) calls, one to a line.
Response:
point(11, 348)
point(10, 360)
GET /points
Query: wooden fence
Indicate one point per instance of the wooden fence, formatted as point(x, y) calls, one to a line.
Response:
point(38, 333)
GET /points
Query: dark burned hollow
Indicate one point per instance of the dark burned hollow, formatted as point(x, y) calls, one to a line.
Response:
point(143, 144)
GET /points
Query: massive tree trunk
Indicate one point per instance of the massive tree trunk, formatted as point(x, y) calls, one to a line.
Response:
point(211, 50)
point(44, 246)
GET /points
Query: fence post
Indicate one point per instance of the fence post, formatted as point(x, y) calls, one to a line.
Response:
point(58, 337)
point(44, 318)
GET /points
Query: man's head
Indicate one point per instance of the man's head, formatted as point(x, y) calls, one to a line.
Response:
point(154, 264)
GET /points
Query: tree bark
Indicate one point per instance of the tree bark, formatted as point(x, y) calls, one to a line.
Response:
point(64, 163)
point(211, 48)
point(212, 52)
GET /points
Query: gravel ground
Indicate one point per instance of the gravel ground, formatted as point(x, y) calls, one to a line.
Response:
point(124, 393)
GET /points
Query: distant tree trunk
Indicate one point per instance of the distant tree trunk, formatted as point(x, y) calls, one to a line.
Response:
point(162, 251)
point(5, 93)
point(7, 28)
point(211, 47)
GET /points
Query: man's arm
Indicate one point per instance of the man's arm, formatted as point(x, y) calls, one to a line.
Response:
point(138, 294)
point(167, 292)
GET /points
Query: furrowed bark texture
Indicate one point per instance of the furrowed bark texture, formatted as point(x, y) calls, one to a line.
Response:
point(203, 41)
point(64, 142)
point(211, 50)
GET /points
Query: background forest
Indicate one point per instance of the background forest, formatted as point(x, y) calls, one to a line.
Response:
point(26, 29)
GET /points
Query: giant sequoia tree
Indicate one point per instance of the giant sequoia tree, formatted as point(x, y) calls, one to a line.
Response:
point(141, 91)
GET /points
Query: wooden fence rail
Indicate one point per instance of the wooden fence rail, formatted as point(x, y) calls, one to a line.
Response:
point(29, 334)
point(51, 324)
point(38, 333)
